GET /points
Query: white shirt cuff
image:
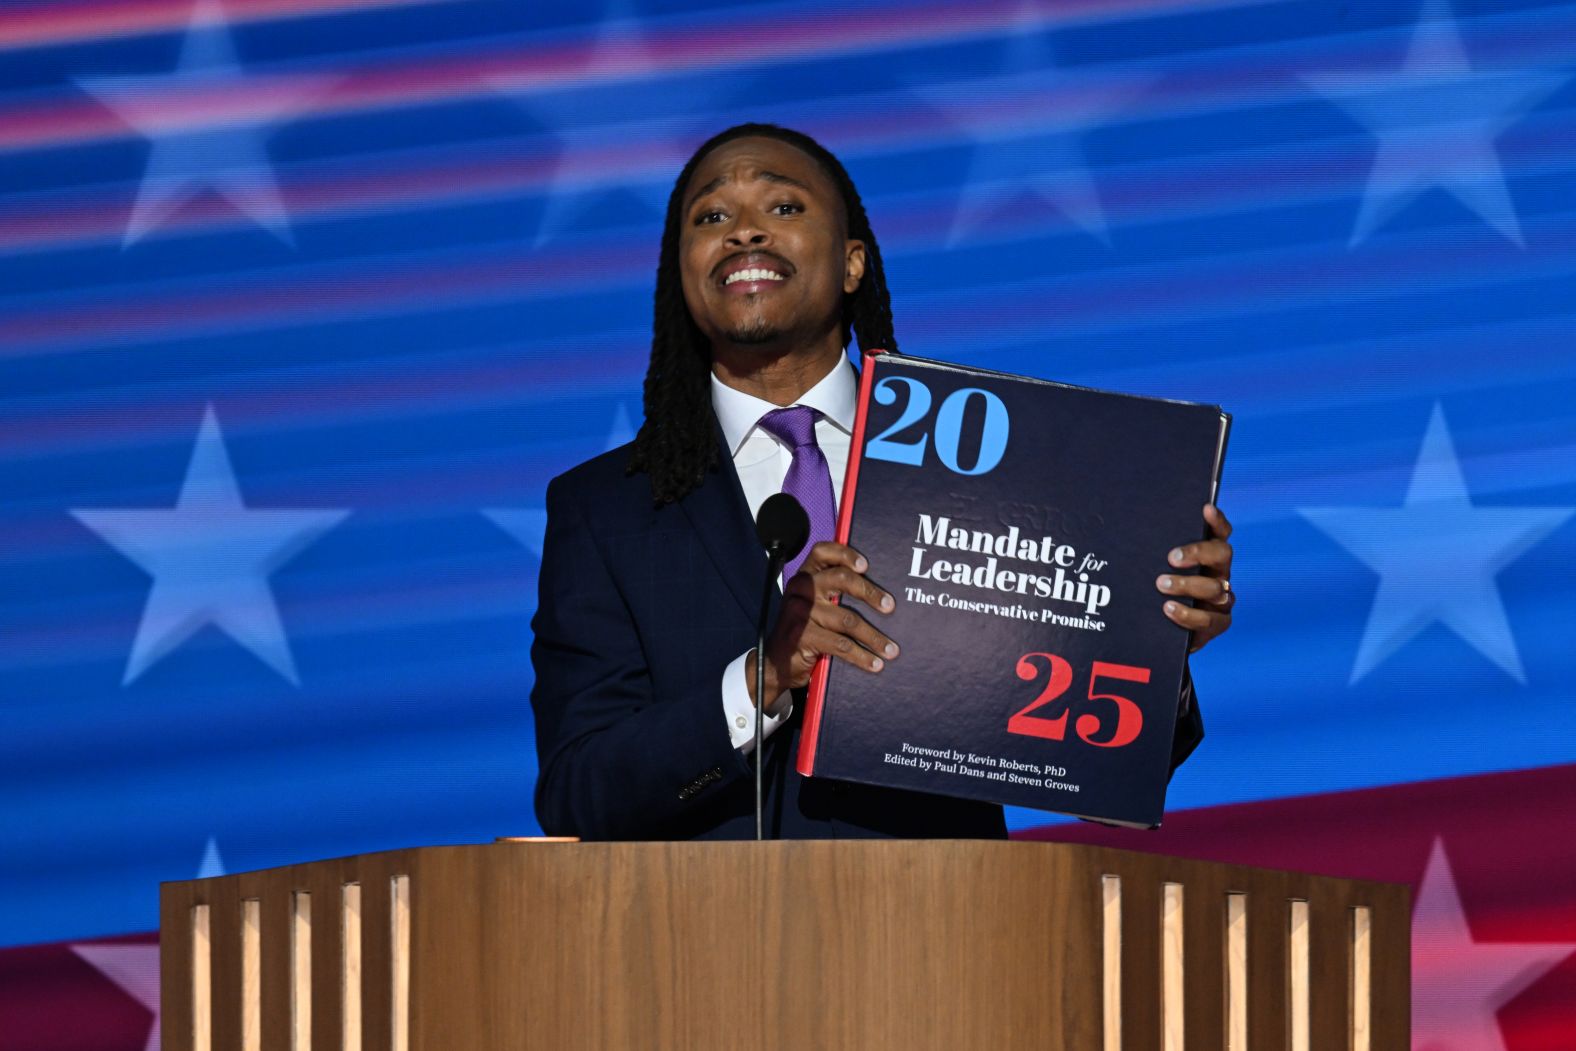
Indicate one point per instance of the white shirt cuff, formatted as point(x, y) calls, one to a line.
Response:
point(741, 713)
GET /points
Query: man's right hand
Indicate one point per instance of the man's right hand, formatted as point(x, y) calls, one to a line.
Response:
point(812, 624)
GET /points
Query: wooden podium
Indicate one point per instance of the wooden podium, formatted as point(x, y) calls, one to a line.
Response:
point(799, 946)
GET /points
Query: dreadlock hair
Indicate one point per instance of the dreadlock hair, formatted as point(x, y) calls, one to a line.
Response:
point(677, 445)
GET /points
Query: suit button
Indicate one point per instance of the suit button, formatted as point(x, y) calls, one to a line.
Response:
point(740, 722)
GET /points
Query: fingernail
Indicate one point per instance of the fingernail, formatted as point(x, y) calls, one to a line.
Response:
point(1172, 607)
point(860, 564)
point(877, 664)
point(886, 602)
point(891, 649)
point(1176, 556)
point(1165, 583)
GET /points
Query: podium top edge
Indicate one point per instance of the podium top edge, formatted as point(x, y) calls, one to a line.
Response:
point(409, 857)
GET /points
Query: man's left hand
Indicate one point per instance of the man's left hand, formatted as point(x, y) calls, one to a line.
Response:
point(1211, 589)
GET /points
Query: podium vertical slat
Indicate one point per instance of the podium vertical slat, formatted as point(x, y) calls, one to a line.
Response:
point(1362, 978)
point(199, 1028)
point(300, 970)
point(400, 962)
point(347, 991)
point(1236, 979)
point(251, 974)
point(1298, 1000)
point(1111, 961)
point(1173, 967)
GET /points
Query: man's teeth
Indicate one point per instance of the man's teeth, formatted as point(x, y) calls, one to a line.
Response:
point(753, 275)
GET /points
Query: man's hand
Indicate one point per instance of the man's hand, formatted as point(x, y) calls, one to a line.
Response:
point(1211, 588)
point(813, 624)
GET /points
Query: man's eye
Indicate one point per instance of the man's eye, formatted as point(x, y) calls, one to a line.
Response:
point(788, 208)
point(712, 216)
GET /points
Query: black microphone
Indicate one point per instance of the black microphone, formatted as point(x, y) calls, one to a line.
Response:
point(782, 527)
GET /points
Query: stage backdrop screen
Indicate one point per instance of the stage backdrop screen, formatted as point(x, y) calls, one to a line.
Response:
point(303, 302)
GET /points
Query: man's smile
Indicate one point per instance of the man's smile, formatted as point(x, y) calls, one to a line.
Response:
point(752, 272)
point(752, 275)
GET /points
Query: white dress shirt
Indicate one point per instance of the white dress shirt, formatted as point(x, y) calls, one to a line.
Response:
point(762, 462)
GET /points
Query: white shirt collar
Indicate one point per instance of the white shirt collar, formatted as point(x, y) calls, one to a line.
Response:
point(835, 397)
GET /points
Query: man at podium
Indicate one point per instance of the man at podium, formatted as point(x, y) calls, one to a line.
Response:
point(649, 589)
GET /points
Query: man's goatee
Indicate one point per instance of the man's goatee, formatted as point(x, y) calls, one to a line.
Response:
point(757, 331)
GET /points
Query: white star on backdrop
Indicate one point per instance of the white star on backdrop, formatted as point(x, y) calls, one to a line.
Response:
point(210, 557)
point(212, 864)
point(192, 153)
point(619, 53)
point(1040, 155)
point(1436, 119)
point(135, 968)
point(528, 525)
point(1437, 556)
point(1459, 985)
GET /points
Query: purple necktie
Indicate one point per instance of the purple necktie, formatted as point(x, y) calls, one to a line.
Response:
point(808, 479)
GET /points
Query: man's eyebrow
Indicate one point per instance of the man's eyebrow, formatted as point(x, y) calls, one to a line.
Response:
point(769, 176)
point(704, 190)
point(785, 179)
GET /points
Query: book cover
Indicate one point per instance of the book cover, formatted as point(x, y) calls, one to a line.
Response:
point(1020, 525)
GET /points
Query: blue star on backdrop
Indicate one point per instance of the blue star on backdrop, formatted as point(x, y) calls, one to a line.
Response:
point(225, 154)
point(1436, 119)
point(210, 557)
point(1437, 556)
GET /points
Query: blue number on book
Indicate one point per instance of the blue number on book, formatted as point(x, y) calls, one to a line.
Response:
point(881, 447)
point(993, 434)
point(949, 427)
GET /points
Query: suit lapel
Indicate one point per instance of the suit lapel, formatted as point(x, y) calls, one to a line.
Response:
point(720, 516)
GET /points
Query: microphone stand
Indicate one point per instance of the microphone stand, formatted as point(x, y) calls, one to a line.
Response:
point(774, 566)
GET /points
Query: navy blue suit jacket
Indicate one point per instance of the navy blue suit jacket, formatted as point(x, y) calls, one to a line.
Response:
point(641, 609)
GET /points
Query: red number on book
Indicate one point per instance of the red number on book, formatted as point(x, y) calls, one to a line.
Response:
point(1038, 725)
point(1129, 717)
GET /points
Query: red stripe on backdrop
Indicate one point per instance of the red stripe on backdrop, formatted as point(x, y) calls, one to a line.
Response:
point(1508, 842)
point(531, 66)
point(55, 22)
point(53, 999)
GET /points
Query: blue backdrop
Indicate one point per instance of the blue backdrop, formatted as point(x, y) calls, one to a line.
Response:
point(302, 302)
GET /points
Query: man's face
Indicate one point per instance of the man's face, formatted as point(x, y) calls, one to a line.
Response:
point(764, 249)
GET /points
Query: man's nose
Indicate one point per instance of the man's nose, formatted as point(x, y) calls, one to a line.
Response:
point(747, 232)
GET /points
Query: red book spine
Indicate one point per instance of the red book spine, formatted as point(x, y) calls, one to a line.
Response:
point(845, 517)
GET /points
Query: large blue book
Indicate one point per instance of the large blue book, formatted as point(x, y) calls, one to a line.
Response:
point(1020, 524)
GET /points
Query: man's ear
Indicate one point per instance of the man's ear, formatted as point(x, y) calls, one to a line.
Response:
point(854, 267)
